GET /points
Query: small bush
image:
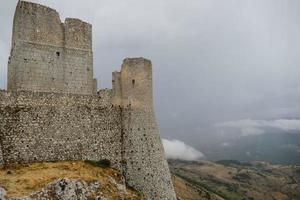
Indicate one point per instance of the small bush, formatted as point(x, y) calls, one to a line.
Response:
point(100, 163)
point(233, 162)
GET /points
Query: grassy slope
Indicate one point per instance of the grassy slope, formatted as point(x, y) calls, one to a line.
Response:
point(24, 180)
point(188, 190)
point(237, 182)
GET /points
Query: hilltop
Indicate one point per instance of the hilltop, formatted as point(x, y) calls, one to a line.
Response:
point(83, 180)
point(200, 180)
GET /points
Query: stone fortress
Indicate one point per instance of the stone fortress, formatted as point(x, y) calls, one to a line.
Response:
point(52, 110)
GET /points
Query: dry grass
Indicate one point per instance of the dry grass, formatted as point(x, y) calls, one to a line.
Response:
point(186, 191)
point(24, 180)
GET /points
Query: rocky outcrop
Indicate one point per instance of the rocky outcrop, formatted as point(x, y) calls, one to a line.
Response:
point(64, 189)
point(65, 181)
point(2, 193)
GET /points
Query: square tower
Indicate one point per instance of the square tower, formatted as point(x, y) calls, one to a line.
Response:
point(48, 55)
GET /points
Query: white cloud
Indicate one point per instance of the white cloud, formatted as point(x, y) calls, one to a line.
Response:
point(257, 127)
point(175, 149)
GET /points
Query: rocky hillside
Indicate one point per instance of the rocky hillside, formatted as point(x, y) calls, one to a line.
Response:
point(192, 180)
point(186, 190)
point(64, 181)
point(235, 181)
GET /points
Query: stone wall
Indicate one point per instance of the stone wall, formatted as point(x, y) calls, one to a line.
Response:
point(48, 55)
point(145, 165)
point(1, 155)
point(49, 127)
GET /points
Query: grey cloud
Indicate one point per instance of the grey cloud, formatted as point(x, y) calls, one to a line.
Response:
point(257, 127)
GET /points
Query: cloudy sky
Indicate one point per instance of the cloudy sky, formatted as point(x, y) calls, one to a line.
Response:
point(217, 64)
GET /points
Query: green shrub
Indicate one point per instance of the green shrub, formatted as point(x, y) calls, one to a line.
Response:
point(105, 163)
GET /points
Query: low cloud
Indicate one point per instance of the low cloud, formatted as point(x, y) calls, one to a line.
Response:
point(176, 149)
point(258, 127)
point(226, 144)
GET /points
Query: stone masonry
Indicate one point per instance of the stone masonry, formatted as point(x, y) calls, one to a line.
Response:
point(52, 110)
point(48, 55)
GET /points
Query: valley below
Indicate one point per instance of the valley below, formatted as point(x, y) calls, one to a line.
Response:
point(234, 180)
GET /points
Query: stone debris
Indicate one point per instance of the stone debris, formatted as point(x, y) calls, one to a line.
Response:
point(64, 189)
point(121, 187)
point(2, 193)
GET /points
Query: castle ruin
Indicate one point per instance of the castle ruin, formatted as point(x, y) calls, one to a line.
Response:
point(52, 110)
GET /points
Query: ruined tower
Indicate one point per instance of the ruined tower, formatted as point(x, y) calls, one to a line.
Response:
point(143, 159)
point(48, 55)
point(52, 111)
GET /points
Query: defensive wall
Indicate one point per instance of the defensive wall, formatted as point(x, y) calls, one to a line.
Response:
point(39, 127)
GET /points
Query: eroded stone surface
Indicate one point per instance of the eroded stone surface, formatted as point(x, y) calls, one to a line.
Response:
point(2, 193)
point(48, 55)
point(66, 189)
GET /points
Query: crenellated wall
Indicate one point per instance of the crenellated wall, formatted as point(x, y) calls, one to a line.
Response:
point(48, 55)
point(78, 34)
point(37, 23)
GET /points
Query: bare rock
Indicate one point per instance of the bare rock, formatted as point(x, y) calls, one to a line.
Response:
point(66, 189)
point(2, 193)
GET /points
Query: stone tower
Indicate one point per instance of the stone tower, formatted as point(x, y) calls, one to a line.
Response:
point(143, 160)
point(48, 55)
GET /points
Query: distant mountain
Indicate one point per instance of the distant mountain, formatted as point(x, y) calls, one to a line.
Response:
point(276, 148)
point(234, 180)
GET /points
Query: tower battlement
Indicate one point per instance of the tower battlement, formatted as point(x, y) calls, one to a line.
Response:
point(77, 34)
point(52, 110)
point(133, 84)
point(48, 55)
point(42, 25)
